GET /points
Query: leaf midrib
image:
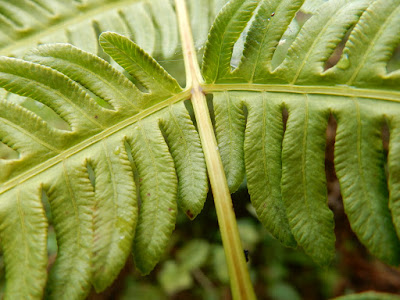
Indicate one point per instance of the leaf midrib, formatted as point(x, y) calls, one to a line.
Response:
point(78, 18)
point(340, 91)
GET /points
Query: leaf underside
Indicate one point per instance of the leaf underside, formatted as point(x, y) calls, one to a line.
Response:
point(128, 154)
point(369, 296)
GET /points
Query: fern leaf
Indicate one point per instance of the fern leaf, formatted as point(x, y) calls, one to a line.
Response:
point(184, 144)
point(28, 23)
point(262, 150)
point(80, 23)
point(158, 194)
point(271, 21)
point(166, 22)
point(91, 72)
point(393, 168)
point(317, 40)
point(52, 88)
point(230, 123)
point(369, 296)
point(25, 136)
point(138, 64)
point(136, 125)
point(23, 233)
point(283, 45)
point(225, 31)
point(301, 84)
point(370, 46)
point(87, 171)
point(365, 196)
point(303, 181)
point(312, 6)
point(115, 212)
point(140, 22)
point(71, 199)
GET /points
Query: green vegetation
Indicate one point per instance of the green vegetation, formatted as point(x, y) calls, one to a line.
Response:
point(102, 141)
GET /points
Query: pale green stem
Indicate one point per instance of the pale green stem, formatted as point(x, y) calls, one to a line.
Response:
point(241, 286)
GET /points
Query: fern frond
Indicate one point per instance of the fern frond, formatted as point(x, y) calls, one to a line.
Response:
point(225, 31)
point(369, 296)
point(158, 193)
point(138, 64)
point(185, 147)
point(55, 90)
point(365, 197)
point(229, 123)
point(300, 84)
point(159, 189)
point(131, 135)
point(72, 203)
point(115, 215)
point(370, 47)
point(22, 137)
point(104, 83)
point(303, 176)
point(263, 38)
point(24, 24)
point(87, 172)
point(262, 150)
point(23, 233)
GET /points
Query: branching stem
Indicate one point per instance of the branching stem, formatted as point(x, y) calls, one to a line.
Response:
point(241, 286)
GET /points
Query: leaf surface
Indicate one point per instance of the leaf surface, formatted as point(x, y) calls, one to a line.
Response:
point(127, 154)
point(293, 160)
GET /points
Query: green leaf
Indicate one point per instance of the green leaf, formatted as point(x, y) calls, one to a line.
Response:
point(369, 296)
point(393, 167)
point(184, 144)
point(303, 181)
point(317, 40)
point(271, 21)
point(365, 197)
point(103, 132)
point(79, 23)
point(263, 148)
point(23, 233)
point(105, 84)
point(26, 24)
point(115, 212)
point(225, 31)
point(55, 90)
point(230, 124)
point(158, 194)
point(312, 6)
point(369, 48)
point(71, 198)
point(283, 45)
point(311, 94)
point(138, 63)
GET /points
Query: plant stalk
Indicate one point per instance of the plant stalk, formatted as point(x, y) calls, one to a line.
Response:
point(240, 282)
